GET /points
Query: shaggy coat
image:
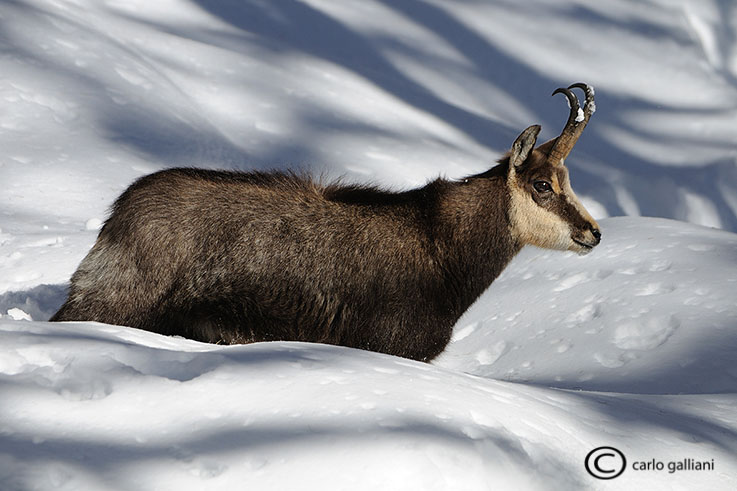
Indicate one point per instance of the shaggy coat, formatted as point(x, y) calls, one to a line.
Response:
point(230, 257)
point(233, 257)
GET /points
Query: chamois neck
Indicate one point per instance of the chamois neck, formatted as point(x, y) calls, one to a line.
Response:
point(472, 235)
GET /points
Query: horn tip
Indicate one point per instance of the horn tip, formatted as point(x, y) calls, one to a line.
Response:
point(588, 89)
point(559, 90)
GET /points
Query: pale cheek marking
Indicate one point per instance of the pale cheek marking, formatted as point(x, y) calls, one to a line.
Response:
point(534, 225)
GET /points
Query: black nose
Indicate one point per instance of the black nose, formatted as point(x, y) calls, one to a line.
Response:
point(597, 235)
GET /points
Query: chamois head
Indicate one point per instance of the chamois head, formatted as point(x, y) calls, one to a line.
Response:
point(544, 211)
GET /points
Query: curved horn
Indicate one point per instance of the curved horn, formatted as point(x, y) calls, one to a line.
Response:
point(577, 120)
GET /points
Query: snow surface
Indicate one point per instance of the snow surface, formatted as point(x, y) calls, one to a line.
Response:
point(632, 346)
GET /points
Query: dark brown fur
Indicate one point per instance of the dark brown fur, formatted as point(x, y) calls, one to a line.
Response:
point(231, 257)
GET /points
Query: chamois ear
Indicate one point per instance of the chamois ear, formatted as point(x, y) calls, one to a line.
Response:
point(522, 146)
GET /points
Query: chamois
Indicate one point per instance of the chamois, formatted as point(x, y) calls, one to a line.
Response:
point(236, 257)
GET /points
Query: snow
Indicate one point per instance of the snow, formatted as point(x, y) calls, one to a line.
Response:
point(656, 300)
point(579, 115)
point(632, 346)
point(18, 314)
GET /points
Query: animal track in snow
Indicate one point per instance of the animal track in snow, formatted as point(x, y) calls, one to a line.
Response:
point(645, 335)
point(656, 266)
point(586, 313)
point(580, 278)
point(491, 355)
point(572, 281)
point(563, 347)
point(653, 289)
point(659, 265)
point(701, 247)
point(610, 360)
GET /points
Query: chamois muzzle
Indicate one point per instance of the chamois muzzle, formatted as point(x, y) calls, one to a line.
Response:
point(586, 241)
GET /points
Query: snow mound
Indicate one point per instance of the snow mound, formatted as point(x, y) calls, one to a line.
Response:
point(653, 309)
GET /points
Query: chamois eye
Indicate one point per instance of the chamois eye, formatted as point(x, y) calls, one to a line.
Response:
point(542, 186)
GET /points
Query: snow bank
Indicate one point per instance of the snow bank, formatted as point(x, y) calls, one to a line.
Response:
point(653, 309)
